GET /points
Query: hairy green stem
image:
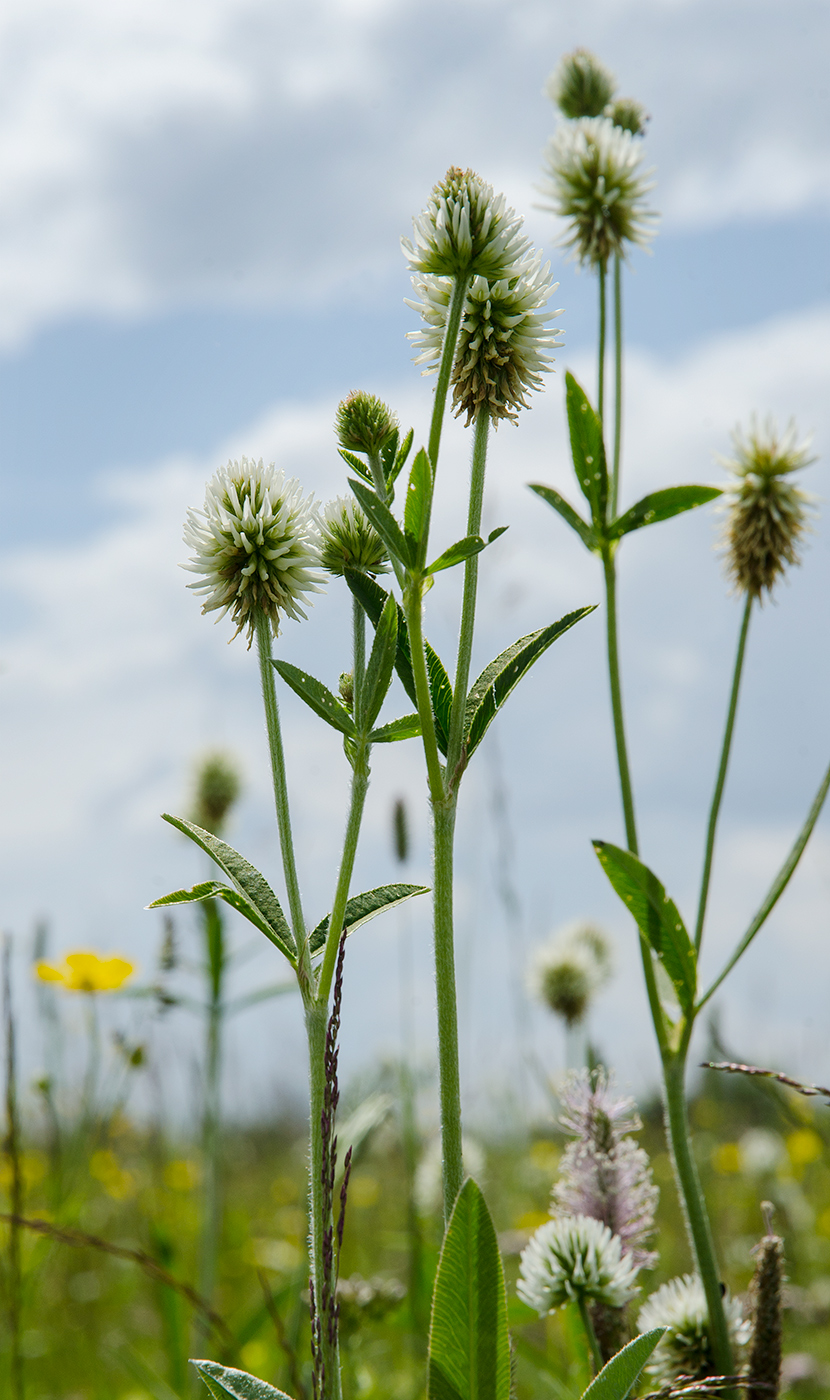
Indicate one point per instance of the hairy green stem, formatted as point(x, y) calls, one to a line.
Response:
point(610, 569)
point(721, 778)
point(360, 785)
point(289, 864)
point(459, 294)
point(618, 364)
point(359, 644)
point(443, 815)
point(211, 1125)
point(412, 603)
point(596, 1354)
point(468, 606)
point(316, 1020)
point(601, 350)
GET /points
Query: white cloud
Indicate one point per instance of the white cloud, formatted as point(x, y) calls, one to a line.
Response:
point(237, 151)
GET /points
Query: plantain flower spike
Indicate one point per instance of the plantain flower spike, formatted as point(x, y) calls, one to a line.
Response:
point(364, 423)
point(580, 86)
point(256, 546)
point(765, 1292)
point(766, 514)
point(594, 180)
point(348, 541)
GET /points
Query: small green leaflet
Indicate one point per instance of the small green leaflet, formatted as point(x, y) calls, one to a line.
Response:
point(379, 667)
point(469, 1345)
point(394, 458)
point(571, 516)
point(661, 505)
point(317, 697)
point(656, 915)
point(249, 882)
point(356, 464)
point(214, 889)
point(418, 498)
point(407, 727)
point(226, 1383)
point(364, 907)
point(385, 523)
point(501, 677)
point(463, 549)
point(617, 1379)
point(587, 450)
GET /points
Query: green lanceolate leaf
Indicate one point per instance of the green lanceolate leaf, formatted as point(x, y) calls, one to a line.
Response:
point(356, 464)
point(661, 505)
point(364, 907)
point(587, 450)
point(501, 677)
point(379, 666)
point(317, 696)
point(372, 599)
point(226, 1383)
point(469, 1345)
point(214, 889)
point(385, 523)
point(656, 915)
point(457, 553)
point(407, 727)
point(571, 516)
point(616, 1380)
point(394, 457)
point(418, 498)
point(251, 884)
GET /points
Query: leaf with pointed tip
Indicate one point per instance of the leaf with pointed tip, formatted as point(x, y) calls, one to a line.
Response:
point(418, 498)
point(457, 553)
point(317, 696)
point(500, 678)
point(226, 1383)
point(587, 450)
point(397, 458)
point(497, 533)
point(356, 464)
point(250, 883)
point(661, 505)
point(364, 907)
point(617, 1379)
point(656, 916)
point(469, 1345)
point(372, 599)
point(214, 889)
point(569, 515)
point(385, 523)
point(379, 666)
point(407, 727)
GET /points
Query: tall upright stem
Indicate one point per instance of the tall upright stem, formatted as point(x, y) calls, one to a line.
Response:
point(289, 864)
point(615, 475)
point(443, 815)
point(459, 293)
point(601, 349)
point(468, 606)
point(316, 1019)
point(721, 778)
point(610, 570)
point(359, 644)
point(360, 785)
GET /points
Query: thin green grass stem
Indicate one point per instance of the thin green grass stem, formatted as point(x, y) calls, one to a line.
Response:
point(721, 778)
point(211, 1125)
point(468, 606)
point(359, 645)
point(459, 294)
point(360, 786)
point(596, 1354)
point(618, 371)
point(289, 864)
point(610, 570)
point(316, 1020)
point(602, 275)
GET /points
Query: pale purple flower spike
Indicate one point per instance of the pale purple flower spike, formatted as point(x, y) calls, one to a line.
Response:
point(604, 1173)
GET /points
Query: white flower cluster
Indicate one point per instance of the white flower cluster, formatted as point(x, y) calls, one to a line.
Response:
point(685, 1350)
point(348, 541)
point(256, 545)
point(574, 1258)
point(466, 229)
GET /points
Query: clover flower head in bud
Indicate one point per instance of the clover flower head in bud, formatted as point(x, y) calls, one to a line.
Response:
point(580, 86)
point(629, 114)
point(256, 545)
point(594, 180)
point(364, 423)
point(466, 229)
point(566, 972)
point(87, 972)
point(685, 1350)
point(348, 541)
point(766, 514)
point(573, 1258)
point(217, 788)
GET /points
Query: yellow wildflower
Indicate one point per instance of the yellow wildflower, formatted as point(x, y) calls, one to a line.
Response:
point(86, 972)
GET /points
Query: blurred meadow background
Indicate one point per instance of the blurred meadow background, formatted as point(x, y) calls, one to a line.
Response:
point(199, 258)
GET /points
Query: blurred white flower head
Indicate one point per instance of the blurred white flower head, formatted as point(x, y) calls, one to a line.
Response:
point(567, 971)
point(574, 1258)
point(685, 1350)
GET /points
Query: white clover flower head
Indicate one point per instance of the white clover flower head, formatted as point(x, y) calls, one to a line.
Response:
point(566, 971)
point(504, 342)
point(256, 545)
point(580, 86)
point(466, 228)
point(573, 1258)
point(594, 181)
point(348, 541)
point(766, 515)
point(685, 1350)
point(364, 423)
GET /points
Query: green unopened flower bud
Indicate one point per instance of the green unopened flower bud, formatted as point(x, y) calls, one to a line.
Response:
point(348, 541)
point(765, 1291)
point(346, 689)
point(364, 423)
point(580, 85)
point(766, 515)
point(217, 788)
point(628, 114)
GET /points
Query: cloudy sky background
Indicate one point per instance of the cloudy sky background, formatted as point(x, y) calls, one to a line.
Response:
point(199, 256)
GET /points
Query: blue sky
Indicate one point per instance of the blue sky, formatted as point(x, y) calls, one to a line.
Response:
point(199, 256)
